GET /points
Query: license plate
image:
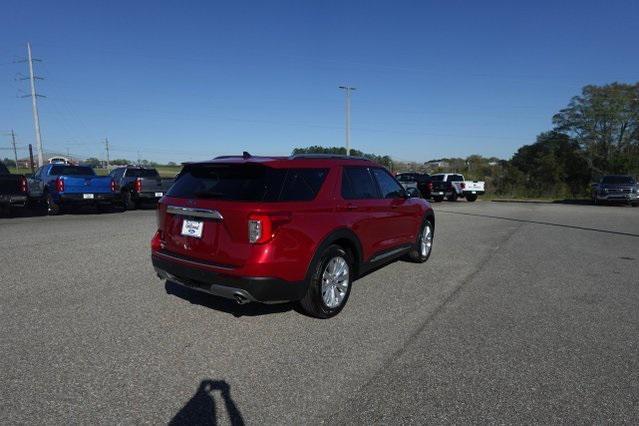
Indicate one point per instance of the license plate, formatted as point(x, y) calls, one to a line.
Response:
point(439, 193)
point(88, 196)
point(159, 194)
point(192, 228)
point(474, 192)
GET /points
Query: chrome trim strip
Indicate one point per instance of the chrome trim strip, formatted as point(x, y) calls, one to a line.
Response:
point(194, 212)
point(389, 253)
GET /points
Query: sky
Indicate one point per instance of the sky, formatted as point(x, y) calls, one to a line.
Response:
point(183, 81)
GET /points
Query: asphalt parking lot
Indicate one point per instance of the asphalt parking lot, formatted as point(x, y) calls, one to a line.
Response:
point(525, 313)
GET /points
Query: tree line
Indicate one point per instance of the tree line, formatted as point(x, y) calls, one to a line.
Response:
point(596, 134)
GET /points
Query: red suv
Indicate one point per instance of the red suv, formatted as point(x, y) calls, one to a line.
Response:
point(276, 229)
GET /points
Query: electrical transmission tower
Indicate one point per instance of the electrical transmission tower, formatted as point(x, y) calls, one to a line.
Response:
point(34, 102)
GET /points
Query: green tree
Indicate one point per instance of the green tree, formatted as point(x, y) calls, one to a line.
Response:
point(92, 162)
point(120, 162)
point(604, 120)
point(9, 162)
point(553, 166)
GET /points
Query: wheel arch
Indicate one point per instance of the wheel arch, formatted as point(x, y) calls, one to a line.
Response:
point(346, 239)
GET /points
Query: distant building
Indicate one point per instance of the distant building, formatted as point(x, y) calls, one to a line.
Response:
point(437, 164)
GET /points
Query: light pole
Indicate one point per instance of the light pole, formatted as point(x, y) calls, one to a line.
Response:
point(348, 91)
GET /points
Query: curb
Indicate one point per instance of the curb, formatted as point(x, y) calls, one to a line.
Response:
point(507, 200)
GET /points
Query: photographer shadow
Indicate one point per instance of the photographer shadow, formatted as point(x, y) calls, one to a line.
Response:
point(201, 408)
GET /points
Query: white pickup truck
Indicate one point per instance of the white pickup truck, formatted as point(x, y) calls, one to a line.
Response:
point(453, 186)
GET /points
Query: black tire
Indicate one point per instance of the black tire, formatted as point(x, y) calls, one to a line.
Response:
point(313, 302)
point(438, 198)
point(452, 196)
point(416, 255)
point(53, 209)
point(634, 204)
point(127, 201)
point(471, 198)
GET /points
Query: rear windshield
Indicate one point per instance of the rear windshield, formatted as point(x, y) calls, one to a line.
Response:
point(142, 173)
point(437, 178)
point(247, 182)
point(3, 169)
point(71, 171)
point(618, 180)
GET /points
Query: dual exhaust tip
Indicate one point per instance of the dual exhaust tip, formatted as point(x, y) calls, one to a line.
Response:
point(239, 297)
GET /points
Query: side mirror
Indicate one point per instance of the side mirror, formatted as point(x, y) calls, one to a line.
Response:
point(413, 193)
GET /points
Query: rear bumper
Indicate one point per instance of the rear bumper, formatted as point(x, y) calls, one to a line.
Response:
point(149, 195)
point(13, 200)
point(79, 198)
point(252, 289)
point(466, 192)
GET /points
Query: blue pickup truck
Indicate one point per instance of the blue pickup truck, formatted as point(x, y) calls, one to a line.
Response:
point(67, 185)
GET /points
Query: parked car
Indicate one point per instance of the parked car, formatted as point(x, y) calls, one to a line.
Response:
point(139, 184)
point(298, 228)
point(67, 185)
point(617, 189)
point(453, 186)
point(421, 181)
point(17, 192)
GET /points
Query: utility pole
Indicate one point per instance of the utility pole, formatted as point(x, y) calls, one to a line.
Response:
point(15, 152)
point(348, 91)
point(34, 104)
point(106, 144)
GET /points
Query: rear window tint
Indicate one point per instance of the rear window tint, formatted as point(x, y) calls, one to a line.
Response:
point(247, 182)
point(71, 171)
point(358, 184)
point(143, 173)
point(302, 184)
point(3, 169)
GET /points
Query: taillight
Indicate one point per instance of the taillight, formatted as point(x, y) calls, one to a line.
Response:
point(23, 184)
point(462, 185)
point(59, 185)
point(156, 241)
point(113, 186)
point(430, 186)
point(260, 229)
point(137, 186)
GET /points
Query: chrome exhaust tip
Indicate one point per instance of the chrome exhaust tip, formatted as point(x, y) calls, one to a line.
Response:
point(240, 299)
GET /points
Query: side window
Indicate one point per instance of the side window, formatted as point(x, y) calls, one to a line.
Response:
point(357, 184)
point(388, 187)
point(302, 184)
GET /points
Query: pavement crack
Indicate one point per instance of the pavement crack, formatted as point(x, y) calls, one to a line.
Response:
point(539, 222)
point(346, 407)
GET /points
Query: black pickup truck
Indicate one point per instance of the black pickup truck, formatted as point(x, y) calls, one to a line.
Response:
point(139, 184)
point(421, 181)
point(14, 191)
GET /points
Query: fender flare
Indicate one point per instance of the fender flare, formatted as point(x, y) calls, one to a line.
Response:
point(332, 237)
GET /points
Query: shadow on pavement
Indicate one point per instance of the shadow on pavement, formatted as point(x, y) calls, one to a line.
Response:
point(201, 408)
point(580, 202)
point(225, 305)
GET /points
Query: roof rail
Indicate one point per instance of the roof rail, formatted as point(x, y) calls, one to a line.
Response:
point(329, 156)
